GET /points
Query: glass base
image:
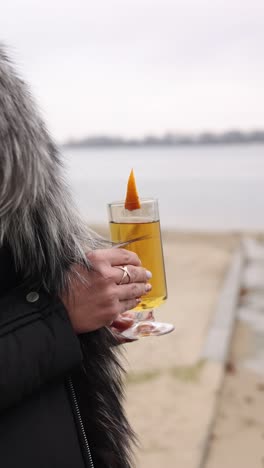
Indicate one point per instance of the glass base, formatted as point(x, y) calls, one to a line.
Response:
point(141, 329)
point(146, 326)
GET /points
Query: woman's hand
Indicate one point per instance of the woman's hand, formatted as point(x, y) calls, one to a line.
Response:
point(122, 323)
point(125, 321)
point(98, 299)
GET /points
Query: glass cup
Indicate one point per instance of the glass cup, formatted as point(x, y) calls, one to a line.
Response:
point(139, 231)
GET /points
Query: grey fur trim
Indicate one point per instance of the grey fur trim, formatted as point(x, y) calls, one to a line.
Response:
point(46, 236)
point(37, 214)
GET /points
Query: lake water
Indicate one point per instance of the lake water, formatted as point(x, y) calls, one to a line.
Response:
point(201, 188)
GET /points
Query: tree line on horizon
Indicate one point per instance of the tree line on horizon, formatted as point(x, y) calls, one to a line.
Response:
point(171, 139)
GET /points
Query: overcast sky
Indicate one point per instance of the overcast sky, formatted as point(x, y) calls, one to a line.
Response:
point(135, 67)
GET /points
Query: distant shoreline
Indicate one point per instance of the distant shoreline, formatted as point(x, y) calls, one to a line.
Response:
point(170, 140)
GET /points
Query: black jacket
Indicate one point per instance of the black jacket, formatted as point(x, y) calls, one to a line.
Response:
point(38, 351)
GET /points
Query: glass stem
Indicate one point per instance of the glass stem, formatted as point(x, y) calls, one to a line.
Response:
point(147, 315)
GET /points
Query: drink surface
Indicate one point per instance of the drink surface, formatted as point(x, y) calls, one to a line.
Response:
point(149, 250)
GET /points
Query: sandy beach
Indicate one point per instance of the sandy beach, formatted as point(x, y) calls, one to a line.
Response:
point(237, 439)
point(172, 396)
point(238, 431)
point(168, 387)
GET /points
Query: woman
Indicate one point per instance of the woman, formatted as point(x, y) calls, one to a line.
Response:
point(61, 290)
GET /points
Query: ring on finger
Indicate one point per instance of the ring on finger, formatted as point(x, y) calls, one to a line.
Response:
point(125, 275)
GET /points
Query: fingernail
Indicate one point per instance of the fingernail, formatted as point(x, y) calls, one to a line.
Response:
point(148, 287)
point(148, 274)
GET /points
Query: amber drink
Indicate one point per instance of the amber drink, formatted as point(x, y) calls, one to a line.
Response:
point(149, 250)
point(137, 228)
point(140, 228)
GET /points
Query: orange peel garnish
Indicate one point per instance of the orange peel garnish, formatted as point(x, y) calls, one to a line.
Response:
point(132, 199)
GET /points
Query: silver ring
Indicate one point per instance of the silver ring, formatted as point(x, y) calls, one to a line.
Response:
point(126, 274)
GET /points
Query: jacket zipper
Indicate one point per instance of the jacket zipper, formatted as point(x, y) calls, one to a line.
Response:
point(80, 423)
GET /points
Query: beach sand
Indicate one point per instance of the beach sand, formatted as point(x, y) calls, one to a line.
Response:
point(168, 388)
point(237, 439)
point(171, 394)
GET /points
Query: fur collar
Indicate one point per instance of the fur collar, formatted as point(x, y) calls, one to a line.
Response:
point(46, 236)
point(37, 214)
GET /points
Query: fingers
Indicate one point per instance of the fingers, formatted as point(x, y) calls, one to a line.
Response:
point(123, 257)
point(122, 322)
point(129, 295)
point(129, 315)
point(110, 263)
point(137, 274)
point(128, 305)
point(125, 296)
point(114, 257)
point(133, 291)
